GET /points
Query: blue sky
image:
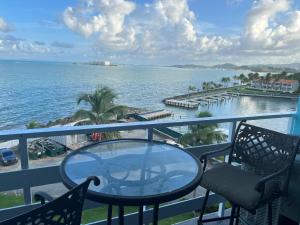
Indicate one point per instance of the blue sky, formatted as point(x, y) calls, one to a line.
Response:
point(151, 32)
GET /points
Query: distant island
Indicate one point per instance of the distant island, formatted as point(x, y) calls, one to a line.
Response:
point(97, 63)
point(273, 68)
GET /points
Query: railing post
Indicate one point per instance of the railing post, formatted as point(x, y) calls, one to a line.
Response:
point(150, 134)
point(231, 132)
point(294, 122)
point(290, 125)
point(25, 165)
point(150, 138)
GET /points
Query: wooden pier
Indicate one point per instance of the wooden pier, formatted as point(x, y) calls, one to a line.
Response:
point(155, 114)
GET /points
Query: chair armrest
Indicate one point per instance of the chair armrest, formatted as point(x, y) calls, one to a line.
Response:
point(42, 197)
point(203, 157)
point(260, 186)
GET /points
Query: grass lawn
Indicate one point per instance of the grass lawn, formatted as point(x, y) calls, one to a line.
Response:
point(10, 200)
point(90, 215)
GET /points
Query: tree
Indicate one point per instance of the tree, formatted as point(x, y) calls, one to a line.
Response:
point(268, 77)
point(235, 78)
point(102, 109)
point(205, 86)
point(242, 78)
point(253, 76)
point(202, 134)
point(34, 124)
point(192, 88)
point(225, 80)
point(228, 80)
point(211, 85)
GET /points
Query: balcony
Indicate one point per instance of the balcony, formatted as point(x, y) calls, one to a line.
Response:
point(27, 178)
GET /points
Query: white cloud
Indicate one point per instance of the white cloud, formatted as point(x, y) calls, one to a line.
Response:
point(4, 26)
point(173, 31)
point(176, 14)
point(104, 18)
point(12, 44)
point(170, 28)
point(215, 44)
point(265, 28)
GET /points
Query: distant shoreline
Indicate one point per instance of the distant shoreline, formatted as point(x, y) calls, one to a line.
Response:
point(262, 68)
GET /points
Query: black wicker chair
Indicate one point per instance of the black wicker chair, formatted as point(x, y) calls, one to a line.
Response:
point(65, 210)
point(267, 156)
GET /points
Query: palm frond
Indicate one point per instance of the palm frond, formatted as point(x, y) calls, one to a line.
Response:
point(85, 114)
point(83, 97)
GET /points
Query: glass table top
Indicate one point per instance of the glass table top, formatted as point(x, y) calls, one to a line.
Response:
point(132, 168)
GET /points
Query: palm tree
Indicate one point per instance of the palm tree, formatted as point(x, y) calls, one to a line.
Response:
point(253, 76)
point(268, 77)
point(34, 124)
point(223, 80)
point(242, 78)
point(227, 80)
point(202, 134)
point(235, 78)
point(102, 109)
point(192, 88)
point(205, 86)
point(211, 85)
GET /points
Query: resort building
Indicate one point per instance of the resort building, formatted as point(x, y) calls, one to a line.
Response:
point(278, 85)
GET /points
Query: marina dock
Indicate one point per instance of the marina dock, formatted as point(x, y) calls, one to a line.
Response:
point(202, 99)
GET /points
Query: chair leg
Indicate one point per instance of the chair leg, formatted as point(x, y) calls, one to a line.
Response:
point(121, 215)
point(155, 214)
point(237, 215)
point(141, 214)
point(232, 216)
point(109, 214)
point(270, 213)
point(203, 207)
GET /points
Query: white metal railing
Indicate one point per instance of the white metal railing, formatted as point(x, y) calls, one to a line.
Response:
point(30, 177)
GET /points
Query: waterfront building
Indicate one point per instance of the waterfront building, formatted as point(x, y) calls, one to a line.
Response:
point(277, 85)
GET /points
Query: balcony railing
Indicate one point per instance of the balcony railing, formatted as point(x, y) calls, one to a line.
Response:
point(27, 177)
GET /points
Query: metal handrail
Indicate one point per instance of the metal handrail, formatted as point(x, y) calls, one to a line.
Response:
point(71, 130)
point(24, 135)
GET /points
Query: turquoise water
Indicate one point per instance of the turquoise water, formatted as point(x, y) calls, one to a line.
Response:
point(46, 91)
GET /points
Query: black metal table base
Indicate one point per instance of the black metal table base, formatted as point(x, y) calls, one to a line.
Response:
point(140, 215)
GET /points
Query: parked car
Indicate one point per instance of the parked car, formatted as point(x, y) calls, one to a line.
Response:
point(7, 157)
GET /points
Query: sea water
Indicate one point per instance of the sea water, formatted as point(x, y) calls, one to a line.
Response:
point(44, 91)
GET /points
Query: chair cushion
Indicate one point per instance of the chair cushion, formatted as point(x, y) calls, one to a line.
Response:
point(236, 185)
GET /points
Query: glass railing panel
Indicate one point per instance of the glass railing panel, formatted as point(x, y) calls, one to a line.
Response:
point(11, 198)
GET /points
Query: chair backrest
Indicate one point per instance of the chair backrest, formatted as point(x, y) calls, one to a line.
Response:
point(264, 150)
point(65, 210)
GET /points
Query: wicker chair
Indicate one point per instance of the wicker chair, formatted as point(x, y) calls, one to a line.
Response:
point(268, 157)
point(65, 210)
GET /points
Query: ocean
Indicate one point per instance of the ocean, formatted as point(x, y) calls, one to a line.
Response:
point(45, 91)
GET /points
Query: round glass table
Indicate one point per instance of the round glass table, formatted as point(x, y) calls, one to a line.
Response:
point(133, 172)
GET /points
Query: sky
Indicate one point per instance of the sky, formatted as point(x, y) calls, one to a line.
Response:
point(154, 32)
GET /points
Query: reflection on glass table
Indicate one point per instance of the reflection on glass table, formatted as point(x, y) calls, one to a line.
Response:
point(133, 172)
